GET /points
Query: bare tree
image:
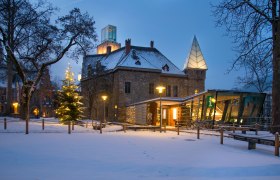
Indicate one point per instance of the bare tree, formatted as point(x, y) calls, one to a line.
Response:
point(97, 82)
point(43, 42)
point(258, 73)
point(254, 26)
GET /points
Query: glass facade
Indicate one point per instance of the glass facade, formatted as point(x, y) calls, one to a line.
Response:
point(211, 107)
point(226, 106)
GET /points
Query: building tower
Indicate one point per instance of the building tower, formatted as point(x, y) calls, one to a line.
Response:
point(108, 40)
point(195, 68)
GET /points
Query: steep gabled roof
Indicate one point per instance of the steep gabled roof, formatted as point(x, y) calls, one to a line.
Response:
point(141, 58)
point(195, 59)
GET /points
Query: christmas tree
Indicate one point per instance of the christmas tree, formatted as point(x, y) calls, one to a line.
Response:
point(70, 106)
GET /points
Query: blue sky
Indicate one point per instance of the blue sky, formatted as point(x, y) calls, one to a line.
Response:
point(171, 24)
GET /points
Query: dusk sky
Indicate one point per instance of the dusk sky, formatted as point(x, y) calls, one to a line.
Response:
point(171, 24)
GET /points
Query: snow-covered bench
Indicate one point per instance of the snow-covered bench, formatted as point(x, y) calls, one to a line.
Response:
point(258, 139)
point(242, 129)
point(140, 127)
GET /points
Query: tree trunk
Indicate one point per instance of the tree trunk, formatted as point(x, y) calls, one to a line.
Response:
point(9, 87)
point(25, 107)
point(276, 78)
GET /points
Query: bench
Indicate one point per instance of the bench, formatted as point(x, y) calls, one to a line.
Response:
point(138, 127)
point(242, 129)
point(258, 139)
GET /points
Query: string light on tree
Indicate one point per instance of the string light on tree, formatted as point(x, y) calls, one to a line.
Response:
point(70, 107)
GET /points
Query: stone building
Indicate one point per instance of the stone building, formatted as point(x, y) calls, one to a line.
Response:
point(131, 74)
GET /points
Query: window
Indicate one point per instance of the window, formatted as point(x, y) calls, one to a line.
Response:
point(165, 67)
point(89, 71)
point(175, 91)
point(168, 90)
point(151, 88)
point(127, 87)
point(106, 111)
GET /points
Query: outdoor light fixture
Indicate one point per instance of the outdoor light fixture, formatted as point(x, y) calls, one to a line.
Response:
point(104, 97)
point(160, 90)
point(36, 112)
point(15, 105)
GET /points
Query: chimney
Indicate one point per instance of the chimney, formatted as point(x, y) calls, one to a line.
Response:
point(127, 45)
point(109, 49)
point(152, 44)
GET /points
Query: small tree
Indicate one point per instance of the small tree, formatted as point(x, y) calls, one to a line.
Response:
point(70, 107)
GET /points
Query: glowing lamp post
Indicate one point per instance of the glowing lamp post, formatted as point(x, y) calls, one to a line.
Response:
point(104, 98)
point(15, 105)
point(36, 112)
point(160, 91)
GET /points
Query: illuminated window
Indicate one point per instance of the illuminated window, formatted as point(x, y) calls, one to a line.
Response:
point(174, 113)
point(164, 114)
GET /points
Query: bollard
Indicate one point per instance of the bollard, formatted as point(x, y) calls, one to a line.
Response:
point(69, 127)
point(165, 127)
point(95, 126)
point(5, 123)
point(198, 132)
point(124, 128)
point(276, 144)
point(257, 126)
point(43, 124)
point(178, 130)
point(222, 136)
point(100, 127)
point(86, 124)
point(73, 125)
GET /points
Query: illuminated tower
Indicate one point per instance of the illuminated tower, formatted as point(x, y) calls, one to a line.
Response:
point(195, 68)
point(108, 40)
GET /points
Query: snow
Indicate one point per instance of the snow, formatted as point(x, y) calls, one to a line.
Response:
point(149, 59)
point(87, 154)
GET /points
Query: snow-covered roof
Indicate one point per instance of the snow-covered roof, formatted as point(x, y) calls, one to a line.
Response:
point(195, 59)
point(141, 58)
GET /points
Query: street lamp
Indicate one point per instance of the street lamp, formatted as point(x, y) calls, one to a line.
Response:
point(104, 98)
point(160, 91)
point(15, 105)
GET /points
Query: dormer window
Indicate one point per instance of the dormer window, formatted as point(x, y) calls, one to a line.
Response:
point(138, 62)
point(165, 67)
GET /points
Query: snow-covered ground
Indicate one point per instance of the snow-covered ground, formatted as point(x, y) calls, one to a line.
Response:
point(54, 154)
